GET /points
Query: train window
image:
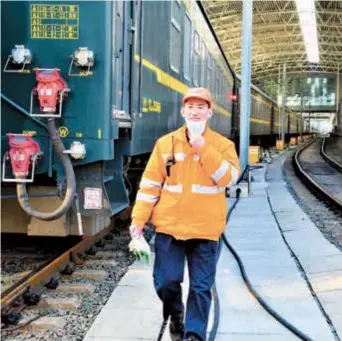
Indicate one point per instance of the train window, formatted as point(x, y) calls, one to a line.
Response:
point(209, 70)
point(217, 82)
point(222, 88)
point(176, 11)
point(219, 90)
point(196, 60)
point(213, 75)
point(175, 46)
point(203, 66)
point(225, 90)
point(187, 47)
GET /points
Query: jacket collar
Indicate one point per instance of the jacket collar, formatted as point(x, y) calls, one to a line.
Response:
point(180, 134)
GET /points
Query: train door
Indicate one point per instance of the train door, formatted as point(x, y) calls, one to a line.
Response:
point(135, 8)
point(126, 63)
point(120, 109)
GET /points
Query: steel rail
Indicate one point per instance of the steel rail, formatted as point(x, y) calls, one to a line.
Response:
point(329, 159)
point(44, 274)
point(311, 184)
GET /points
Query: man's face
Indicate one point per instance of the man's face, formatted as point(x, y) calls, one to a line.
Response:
point(196, 109)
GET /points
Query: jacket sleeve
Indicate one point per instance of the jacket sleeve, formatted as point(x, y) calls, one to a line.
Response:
point(223, 166)
point(150, 188)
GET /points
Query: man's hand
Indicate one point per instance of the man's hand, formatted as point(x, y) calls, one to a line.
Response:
point(136, 231)
point(197, 142)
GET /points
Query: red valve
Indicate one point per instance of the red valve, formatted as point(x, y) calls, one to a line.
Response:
point(49, 89)
point(22, 150)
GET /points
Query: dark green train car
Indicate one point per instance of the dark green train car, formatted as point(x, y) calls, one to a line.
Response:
point(109, 76)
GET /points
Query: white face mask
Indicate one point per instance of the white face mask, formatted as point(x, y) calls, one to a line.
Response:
point(196, 128)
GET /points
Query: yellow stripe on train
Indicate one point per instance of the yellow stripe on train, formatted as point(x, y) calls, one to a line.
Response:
point(173, 83)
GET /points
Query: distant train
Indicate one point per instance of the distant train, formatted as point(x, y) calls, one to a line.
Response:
point(265, 118)
point(84, 100)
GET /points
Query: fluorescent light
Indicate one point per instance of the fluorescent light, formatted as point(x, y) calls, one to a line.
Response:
point(307, 17)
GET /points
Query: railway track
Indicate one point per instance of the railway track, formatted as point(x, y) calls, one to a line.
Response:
point(322, 177)
point(32, 288)
point(333, 161)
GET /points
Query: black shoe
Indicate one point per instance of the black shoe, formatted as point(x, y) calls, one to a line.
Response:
point(177, 327)
point(192, 337)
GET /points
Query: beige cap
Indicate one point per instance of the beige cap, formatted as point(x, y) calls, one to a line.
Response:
point(201, 93)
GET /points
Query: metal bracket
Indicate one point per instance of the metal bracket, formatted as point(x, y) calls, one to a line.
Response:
point(49, 115)
point(86, 73)
point(4, 179)
point(82, 52)
point(22, 70)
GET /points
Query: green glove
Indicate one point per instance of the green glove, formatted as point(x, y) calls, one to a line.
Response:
point(140, 248)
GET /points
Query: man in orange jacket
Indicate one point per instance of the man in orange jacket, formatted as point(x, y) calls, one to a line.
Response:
point(183, 189)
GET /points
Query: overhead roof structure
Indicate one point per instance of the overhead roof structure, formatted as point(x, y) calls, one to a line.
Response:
point(277, 36)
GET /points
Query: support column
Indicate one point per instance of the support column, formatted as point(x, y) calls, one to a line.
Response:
point(245, 108)
point(301, 118)
point(338, 102)
point(283, 97)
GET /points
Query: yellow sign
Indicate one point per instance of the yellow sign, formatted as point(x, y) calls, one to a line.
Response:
point(30, 132)
point(55, 21)
point(150, 105)
point(63, 131)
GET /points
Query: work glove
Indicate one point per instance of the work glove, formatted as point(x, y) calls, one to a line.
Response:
point(138, 245)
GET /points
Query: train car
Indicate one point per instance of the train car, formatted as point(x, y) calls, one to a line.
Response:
point(265, 118)
point(86, 91)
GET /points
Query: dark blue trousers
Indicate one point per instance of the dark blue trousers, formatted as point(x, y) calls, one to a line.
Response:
point(168, 274)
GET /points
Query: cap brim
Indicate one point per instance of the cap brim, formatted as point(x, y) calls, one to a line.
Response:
point(196, 97)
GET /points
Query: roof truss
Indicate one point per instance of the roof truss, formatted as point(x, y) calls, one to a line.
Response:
point(277, 36)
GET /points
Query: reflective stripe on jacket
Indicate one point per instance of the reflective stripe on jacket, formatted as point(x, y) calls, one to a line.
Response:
point(190, 203)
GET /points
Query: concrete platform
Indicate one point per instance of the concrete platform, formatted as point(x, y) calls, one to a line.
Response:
point(255, 229)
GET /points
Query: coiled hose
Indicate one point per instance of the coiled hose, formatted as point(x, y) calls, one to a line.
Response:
point(70, 181)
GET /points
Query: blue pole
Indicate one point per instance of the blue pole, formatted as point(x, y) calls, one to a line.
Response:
point(245, 108)
point(283, 98)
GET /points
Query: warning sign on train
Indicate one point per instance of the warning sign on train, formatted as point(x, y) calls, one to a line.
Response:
point(52, 21)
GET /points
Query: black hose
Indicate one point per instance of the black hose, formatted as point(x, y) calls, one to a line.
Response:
point(216, 321)
point(162, 330)
point(70, 181)
point(250, 287)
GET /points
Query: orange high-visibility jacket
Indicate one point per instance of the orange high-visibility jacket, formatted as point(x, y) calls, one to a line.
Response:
point(190, 203)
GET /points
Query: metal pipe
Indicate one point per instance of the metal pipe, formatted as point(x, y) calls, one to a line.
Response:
point(70, 181)
point(283, 99)
point(247, 23)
